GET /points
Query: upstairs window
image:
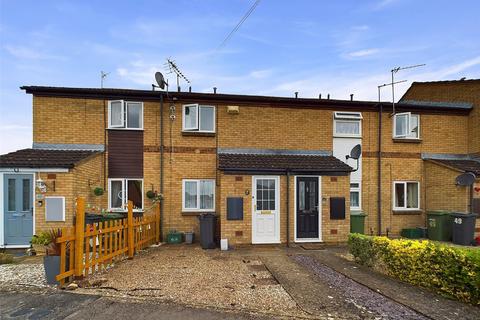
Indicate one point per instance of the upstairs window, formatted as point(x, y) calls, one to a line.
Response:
point(198, 118)
point(347, 124)
point(406, 195)
point(125, 114)
point(406, 126)
point(123, 190)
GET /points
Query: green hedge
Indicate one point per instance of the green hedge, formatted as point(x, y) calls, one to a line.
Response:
point(452, 271)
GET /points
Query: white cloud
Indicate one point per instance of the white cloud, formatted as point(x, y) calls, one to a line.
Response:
point(22, 52)
point(362, 53)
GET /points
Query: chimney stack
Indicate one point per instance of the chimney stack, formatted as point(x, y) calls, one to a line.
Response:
point(351, 96)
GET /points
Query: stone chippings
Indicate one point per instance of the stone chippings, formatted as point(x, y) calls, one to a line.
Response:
point(196, 277)
point(30, 275)
point(357, 294)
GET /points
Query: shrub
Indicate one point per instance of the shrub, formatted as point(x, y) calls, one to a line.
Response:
point(43, 238)
point(452, 271)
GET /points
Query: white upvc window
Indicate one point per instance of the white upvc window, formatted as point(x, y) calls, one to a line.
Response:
point(125, 115)
point(347, 124)
point(198, 118)
point(406, 195)
point(120, 191)
point(406, 126)
point(198, 195)
point(355, 196)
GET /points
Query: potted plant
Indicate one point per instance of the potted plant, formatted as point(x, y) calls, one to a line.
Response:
point(39, 242)
point(154, 196)
point(51, 261)
point(98, 191)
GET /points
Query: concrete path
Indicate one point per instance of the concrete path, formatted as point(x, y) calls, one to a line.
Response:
point(421, 300)
point(65, 305)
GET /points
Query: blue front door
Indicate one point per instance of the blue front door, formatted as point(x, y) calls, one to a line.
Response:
point(18, 209)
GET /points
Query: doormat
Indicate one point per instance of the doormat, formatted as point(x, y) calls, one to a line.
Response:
point(313, 246)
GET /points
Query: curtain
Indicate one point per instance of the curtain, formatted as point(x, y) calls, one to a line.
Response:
point(412, 195)
point(116, 194)
point(190, 195)
point(347, 127)
point(206, 194)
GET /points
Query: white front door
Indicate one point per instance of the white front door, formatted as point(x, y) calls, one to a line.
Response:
point(266, 209)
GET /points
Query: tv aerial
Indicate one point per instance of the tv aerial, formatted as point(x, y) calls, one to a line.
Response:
point(355, 154)
point(161, 83)
point(172, 67)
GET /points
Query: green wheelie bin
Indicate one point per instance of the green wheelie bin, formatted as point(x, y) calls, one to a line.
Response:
point(357, 222)
point(439, 224)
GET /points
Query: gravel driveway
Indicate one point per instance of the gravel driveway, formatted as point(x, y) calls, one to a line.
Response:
point(195, 277)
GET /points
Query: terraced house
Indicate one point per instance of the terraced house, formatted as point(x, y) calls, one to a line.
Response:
point(274, 170)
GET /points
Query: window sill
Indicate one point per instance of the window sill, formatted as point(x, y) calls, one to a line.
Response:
point(347, 136)
point(195, 213)
point(126, 129)
point(407, 140)
point(198, 133)
point(407, 212)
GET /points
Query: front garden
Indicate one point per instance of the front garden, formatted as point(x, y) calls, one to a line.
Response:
point(448, 270)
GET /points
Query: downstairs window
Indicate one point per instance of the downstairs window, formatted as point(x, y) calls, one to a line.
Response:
point(123, 190)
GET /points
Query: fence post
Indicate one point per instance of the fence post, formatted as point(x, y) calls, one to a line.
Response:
point(130, 230)
point(157, 224)
point(79, 237)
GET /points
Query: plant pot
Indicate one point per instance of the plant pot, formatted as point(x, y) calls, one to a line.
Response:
point(39, 249)
point(189, 237)
point(52, 268)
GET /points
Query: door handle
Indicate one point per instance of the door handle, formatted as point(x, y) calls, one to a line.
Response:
point(18, 214)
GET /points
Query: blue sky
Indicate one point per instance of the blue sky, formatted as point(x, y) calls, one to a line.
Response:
point(336, 47)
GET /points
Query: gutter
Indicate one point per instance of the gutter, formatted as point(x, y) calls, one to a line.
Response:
point(288, 208)
point(161, 167)
point(379, 182)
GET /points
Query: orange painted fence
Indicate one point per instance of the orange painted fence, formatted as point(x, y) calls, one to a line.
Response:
point(85, 250)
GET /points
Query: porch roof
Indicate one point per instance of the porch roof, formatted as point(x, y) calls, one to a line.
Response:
point(464, 165)
point(41, 158)
point(282, 163)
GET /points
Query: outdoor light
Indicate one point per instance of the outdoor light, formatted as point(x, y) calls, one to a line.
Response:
point(41, 185)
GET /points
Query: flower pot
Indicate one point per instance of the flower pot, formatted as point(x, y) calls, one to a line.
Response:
point(52, 268)
point(39, 249)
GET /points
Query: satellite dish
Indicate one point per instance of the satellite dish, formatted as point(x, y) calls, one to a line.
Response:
point(160, 80)
point(356, 152)
point(465, 179)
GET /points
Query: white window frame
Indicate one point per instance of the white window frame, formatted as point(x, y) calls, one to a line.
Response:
point(124, 115)
point(344, 116)
point(196, 128)
point(124, 194)
point(407, 135)
point(197, 209)
point(394, 199)
point(63, 208)
point(359, 190)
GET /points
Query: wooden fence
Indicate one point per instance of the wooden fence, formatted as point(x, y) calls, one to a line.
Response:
point(86, 249)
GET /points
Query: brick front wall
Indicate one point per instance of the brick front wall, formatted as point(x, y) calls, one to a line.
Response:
point(458, 91)
point(190, 157)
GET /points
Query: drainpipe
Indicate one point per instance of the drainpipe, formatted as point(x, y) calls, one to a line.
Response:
point(379, 217)
point(161, 166)
point(288, 208)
